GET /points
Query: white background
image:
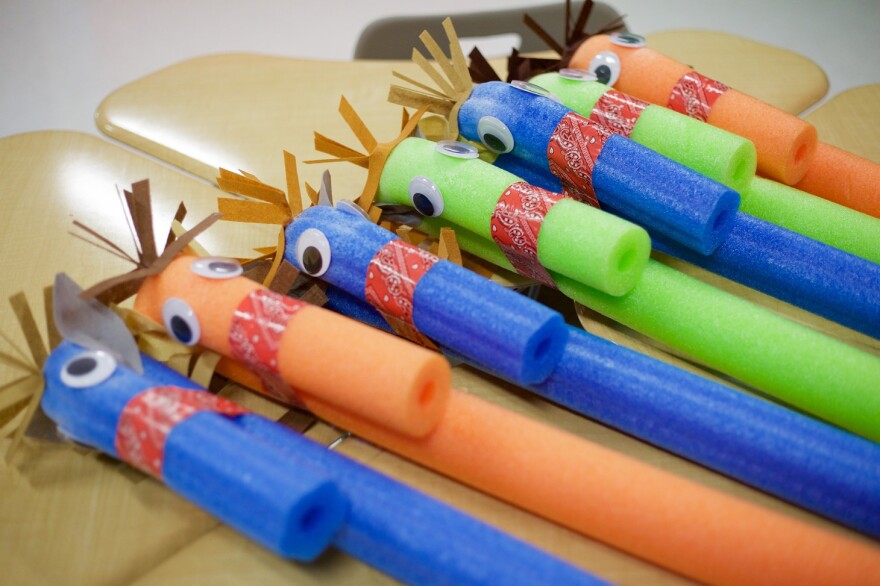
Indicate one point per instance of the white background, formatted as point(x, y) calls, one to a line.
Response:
point(60, 58)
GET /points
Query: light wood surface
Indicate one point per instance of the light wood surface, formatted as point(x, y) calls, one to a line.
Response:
point(243, 110)
point(849, 121)
point(71, 517)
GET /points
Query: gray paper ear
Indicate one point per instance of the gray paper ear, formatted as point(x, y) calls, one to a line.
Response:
point(325, 194)
point(92, 325)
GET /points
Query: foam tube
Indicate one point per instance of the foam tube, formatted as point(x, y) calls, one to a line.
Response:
point(498, 326)
point(576, 240)
point(785, 143)
point(844, 178)
point(719, 155)
point(790, 455)
point(417, 539)
point(678, 524)
point(292, 510)
point(817, 218)
point(649, 187)
point(397, 383)
point(789, 266)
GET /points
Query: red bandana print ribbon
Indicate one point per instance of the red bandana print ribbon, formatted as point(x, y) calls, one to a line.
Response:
point(618, 111)
point(515, 223)
point(255, 336)
point(150, 416)
point(694, 95)
point(391, 282)
point(572, 153)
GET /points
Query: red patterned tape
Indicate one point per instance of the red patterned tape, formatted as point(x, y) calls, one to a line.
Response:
point(618, 111)
point(150, 416)
point(572, 153)
point(694, 95)
point(255, 336)
point(392, 276)
point(515, 224)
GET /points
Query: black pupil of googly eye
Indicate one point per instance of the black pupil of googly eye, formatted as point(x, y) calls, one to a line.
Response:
point(603, 73)
point(222, 267)
point(628, 39)
point(493, 142)
point(312, 260)
point(180, 329)
point(456, 148)
point(423, 204)
point(82, 366)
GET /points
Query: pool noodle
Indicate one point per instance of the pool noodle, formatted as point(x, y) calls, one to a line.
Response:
point(785, 144)
point(844, 178)
point(292, 510)
point(790, 455)
point(719, 155)
point(817, 218)
point(651, 188)
point(785, 360)
point(779, 262)
point(576, 240)
point(523, 341)
point(400, 384)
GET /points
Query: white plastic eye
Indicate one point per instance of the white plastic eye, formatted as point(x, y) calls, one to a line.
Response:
point(458, 150)
point(606, 67)
point(349, 207)
point(181, 321)
point(495, 134)
point(215, 267)
point(627, 40)
point(426, 197)
point(534, 89)
point(313, 252)
point(88, 369)
point(577, 74)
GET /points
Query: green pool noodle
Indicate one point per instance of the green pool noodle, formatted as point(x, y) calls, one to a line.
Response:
point(785, 360)
point(814, 217)
point(581, 242)
point(711, 151)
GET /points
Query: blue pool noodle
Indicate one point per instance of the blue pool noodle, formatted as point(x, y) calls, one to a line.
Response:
point(400, 531)
point(653, 190)
point(814, 276)
point(289, 507)
point(522, 341)
point(799, 459)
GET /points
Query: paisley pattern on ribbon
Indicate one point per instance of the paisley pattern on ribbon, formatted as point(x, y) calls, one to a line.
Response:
point(150, 416)
point(392, 276)
point(618, 111)
point(695, 94)
point(515, 224)
point(572, 153)
point(255, 336)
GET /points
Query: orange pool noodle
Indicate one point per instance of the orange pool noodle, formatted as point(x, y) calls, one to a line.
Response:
point(785, 143)
point(322, 354)
point(668, 520)
point(844, 178)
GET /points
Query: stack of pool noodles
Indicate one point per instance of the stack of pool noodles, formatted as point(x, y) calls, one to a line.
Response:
point(719, 155)
point(788, 147)
point(786, 360)
point(817, 277)
point(284, 491)
point(471, 318)
point(678, 524)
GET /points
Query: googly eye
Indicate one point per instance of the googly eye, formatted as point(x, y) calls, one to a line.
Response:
point(577, 74)
point(627, 40)
point(313, 252)
point(87, 369)
point(426, 197)
point(495, 134)
point(458, 150)
point(214, 267)
point(606, 67)
point(349, 207)
point(181, 321)
point(534, 89)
